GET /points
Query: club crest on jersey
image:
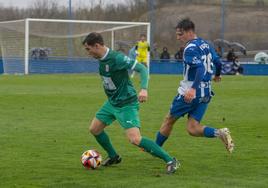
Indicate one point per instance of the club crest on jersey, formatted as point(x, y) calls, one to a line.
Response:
point(196, 60)
point(107, 68)
point(127, 59)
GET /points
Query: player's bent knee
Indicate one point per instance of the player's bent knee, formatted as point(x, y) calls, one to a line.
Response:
point(191, 132)
point(96, 127)
point(195, 129)
point(135, 140)
point(92, 130)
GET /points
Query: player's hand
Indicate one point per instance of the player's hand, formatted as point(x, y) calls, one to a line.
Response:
point(143, 95)
point(189, 95)
point(217, 78)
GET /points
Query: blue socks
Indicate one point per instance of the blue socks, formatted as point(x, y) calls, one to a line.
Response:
point(210, 132)
point(160, 139)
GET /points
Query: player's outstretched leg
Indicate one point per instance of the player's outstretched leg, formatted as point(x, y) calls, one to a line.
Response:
point(155, 150)
point(225, 136)
point(194, 128)
point(151, 147)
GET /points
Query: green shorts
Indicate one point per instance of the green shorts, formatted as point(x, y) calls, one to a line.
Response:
point(127, 116)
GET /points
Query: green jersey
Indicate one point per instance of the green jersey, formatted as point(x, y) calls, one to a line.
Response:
point(113, 69)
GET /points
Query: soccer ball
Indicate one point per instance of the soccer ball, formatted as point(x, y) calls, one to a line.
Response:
point(91, 159)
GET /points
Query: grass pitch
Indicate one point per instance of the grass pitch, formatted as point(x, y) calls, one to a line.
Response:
point(44, 130)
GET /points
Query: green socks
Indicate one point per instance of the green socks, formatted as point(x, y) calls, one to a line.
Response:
point(104, 141)
point(152, 148)
point(147, 144)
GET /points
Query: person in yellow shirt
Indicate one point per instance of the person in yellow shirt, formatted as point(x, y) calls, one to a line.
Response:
point(142, 48)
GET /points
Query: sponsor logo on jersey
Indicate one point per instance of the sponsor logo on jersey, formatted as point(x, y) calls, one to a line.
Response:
point(107, 68)
point(204, 46)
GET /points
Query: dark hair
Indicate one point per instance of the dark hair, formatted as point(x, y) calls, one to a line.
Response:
point(186, 24)
point(93, 38)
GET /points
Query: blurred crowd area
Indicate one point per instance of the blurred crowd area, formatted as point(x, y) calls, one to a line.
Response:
point(237, 21)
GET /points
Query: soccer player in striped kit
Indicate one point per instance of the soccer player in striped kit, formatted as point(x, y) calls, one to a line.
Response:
point(194, 92)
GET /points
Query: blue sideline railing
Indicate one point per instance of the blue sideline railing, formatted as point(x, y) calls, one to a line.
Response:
point(85, 65)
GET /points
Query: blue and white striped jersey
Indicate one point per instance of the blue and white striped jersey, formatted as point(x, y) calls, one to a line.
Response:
point(198, 53)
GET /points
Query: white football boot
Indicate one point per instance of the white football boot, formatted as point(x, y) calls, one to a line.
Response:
point(225, 136)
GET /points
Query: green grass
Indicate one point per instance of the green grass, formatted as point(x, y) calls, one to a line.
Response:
point(44, 130)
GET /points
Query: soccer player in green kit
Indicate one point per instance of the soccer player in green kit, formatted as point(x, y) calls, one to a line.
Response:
point(123, 102)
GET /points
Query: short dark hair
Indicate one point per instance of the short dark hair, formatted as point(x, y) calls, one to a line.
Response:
point(93, 38)
point(186, 24)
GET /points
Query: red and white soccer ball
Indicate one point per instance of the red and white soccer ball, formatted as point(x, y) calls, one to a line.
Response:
point(91, 159)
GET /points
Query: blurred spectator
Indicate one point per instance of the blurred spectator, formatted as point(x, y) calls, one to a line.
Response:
point(40, 53)
point(155, 53)
point(231, 55)
point(232, 67)
point(219, 51)
point(34, 53)
point(237, 68)
point(179, 55)
point(165, 54)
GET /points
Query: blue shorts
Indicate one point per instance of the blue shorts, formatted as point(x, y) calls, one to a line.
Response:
point(196, 109)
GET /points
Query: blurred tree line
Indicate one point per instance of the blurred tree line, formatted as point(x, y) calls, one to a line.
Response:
point(246, 21)
point(98, 10)
point(93, 10)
